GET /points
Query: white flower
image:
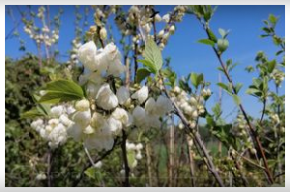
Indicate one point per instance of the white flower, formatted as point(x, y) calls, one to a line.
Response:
point(157, 18)
point(82, 105)
point(53, 122)
point(139, 146)
point(88, 130)
point(141, 94)
point(115, 66)
point(37, 125)
point(138, 156)
point(57, 110)
point(40, 176)
point(139, 116)
point(166, 18)
point(160, 34)
point(57, 136)
point(123, 116)
point(99, 164)
point(86, 54)
point(123, 94)
point(159, 108)
point(82, 117)
point(114, 125)
point(130, 146)
point(65, 120)
point(172, 29)
point(163, 105)
point(105, 98)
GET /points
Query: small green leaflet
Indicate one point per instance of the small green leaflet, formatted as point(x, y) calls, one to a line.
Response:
point(206, 42)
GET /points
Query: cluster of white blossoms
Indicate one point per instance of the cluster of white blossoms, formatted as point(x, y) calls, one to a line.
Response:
point(190, 105)
point(144, 18)
point(136, 150)
point(54, 130)
point(239, 128)
point(98, 119)
point(73, 53)
point(277, 76)
point(41, 34)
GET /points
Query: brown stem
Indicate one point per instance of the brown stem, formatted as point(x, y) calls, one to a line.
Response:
point(125, 159)
point(88, 164)
point(49, 168)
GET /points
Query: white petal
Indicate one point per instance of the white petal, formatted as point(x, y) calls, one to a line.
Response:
point(105, 98)
point(141, 94)
point(123, 94)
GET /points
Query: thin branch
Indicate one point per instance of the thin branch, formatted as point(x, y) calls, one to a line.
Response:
point(253, 134)
point(125, 159)
point(88, 164)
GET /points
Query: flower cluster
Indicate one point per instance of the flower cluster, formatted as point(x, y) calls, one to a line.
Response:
point(55, 129)
point(191, 106)
point(108, 108)
point(136, 151)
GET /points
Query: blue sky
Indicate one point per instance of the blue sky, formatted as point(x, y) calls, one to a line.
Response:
point(245, 23)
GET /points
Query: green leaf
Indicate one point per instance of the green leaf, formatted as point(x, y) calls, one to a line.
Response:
point(211, 35)
point(223, 33)
point(237, 99)
point(32, 113)
point(62, 91)
point(222, 44)
point(206, 42)
point(273, 19)
point(148, 64)
point(238, 87)
point(196, 79)
point(91, 172)
point(142, 73)
point(153, 54)
point(271, 66)
point(225, 87)
point(255, 92)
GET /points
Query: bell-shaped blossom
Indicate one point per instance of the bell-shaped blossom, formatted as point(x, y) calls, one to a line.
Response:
point(123, 95)
point(141, 94)
point(87, 53)
point(105, 98)
point(123, 116)
point(56, 111)
point(82, 105)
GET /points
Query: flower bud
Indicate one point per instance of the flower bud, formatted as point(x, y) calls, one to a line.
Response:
point(82, 105)
point(103, 33)
point(157, 18)
point(172, 29)
point(160, 34)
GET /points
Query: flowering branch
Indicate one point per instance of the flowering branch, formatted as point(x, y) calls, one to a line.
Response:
point(196, 136)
